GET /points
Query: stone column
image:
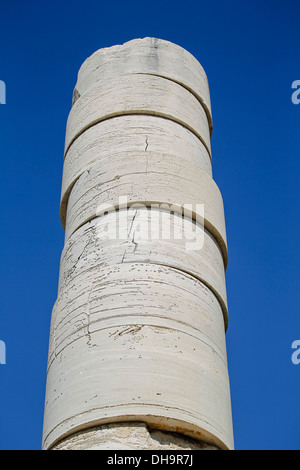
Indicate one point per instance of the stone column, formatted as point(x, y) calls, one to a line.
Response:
point(137, 354)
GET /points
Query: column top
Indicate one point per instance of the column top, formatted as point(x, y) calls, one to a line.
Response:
point(151, 56)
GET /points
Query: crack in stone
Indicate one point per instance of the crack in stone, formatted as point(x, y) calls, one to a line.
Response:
point(135, 243)
point(132, 223)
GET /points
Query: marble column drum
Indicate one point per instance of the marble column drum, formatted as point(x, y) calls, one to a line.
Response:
point(137, 342)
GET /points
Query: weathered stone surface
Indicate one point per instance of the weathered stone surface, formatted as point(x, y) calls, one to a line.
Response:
point(142, 372)
point(121, 322)
point(150, 56)
point(129, 436)
point(112, 140)
point(138, 94)
point(137, 344)
point(147, 180)
point(144, 236)
point(136, 292)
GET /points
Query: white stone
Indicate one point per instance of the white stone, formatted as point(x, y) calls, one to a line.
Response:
point(136, 292)
point(111, 139)
point(146, 56)
point(147, 180)
point(162, 321)
point(138, 94)
point(143, 236)
point(136, 364)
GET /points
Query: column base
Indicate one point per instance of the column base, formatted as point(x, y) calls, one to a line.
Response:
point(129, 436)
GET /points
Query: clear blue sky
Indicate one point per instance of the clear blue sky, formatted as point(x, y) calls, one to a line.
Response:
point(250, 51)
